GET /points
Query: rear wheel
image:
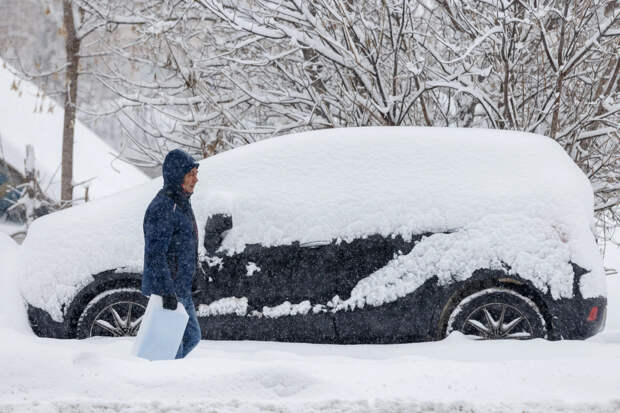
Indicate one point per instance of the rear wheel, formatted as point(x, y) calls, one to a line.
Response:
point(497, 313)
point(113, 313)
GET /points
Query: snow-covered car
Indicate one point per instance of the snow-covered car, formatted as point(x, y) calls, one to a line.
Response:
point(361, 235)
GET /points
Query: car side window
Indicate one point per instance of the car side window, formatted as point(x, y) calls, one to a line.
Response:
point(215, 227)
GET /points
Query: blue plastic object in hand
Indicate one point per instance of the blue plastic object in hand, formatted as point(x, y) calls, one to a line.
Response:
point(161, 331)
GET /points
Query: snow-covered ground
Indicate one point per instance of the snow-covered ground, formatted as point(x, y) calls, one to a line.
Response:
point(456, 374)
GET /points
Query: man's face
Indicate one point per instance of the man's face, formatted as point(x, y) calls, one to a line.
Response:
point(189, 181)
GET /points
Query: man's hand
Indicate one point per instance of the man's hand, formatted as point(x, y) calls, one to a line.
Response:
point(169, 301)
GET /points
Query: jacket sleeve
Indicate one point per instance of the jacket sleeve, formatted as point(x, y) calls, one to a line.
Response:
point(158, 229)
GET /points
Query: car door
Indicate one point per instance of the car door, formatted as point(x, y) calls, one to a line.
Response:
point(313, 271)
point(266, 275)
point(327, 269)
point(261, 274)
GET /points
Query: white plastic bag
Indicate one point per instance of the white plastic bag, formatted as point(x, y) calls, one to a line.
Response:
point(161, 331)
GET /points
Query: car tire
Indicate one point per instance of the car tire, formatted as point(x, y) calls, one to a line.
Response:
point(497, 313)
point(112, 313)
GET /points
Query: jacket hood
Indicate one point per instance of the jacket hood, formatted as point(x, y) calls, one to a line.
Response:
point(176, 165)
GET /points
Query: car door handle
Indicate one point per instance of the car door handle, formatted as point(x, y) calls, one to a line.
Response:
point(315, 244)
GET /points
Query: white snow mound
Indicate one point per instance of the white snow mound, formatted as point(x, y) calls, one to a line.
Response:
point(505, 197)
point(27, 116)
point(12, 308)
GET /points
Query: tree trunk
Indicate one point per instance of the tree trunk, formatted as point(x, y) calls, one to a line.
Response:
point(72, 47)
point(560, 83)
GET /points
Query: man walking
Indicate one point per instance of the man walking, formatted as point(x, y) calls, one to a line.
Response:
point(171, 243)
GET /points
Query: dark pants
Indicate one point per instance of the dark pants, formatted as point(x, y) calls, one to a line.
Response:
point(191, 337)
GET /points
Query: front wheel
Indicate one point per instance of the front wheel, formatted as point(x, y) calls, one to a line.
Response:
point(497, 313)
point(113, 313)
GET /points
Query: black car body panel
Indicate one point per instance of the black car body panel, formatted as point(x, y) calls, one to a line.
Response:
point(298, 272)
point(322, 270)
point(570, 317)
point(319, 271)
point(44, 326)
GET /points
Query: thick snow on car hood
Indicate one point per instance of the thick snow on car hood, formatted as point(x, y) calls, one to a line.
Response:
point(348, 183)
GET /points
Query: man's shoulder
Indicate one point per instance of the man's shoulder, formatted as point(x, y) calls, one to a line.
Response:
point(161, 204)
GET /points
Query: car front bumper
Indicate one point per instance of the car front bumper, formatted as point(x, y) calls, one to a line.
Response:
point(44, 326)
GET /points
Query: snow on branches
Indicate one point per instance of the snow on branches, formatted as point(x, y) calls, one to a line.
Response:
point(214, 74)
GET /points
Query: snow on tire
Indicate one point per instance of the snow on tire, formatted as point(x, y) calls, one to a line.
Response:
point(113, 313)
point(497, 313)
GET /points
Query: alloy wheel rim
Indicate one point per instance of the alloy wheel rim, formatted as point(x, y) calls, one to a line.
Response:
point(495, 321)
point(119, 319)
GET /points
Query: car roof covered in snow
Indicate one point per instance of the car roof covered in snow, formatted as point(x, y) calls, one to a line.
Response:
point(353, 182)
point(325, 185)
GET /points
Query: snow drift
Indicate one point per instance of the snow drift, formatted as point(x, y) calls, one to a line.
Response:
point(504, 197)
point(27, 116)
point(12, 309)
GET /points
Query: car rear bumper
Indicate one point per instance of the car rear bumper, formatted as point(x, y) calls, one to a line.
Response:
point(578, 318)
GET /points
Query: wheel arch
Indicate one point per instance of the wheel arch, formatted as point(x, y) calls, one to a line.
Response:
point(103, 281)
point(485, 278)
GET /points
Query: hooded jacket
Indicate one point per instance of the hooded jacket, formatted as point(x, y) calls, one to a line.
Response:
point(170, 233)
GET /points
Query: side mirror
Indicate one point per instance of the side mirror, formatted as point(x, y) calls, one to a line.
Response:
point(216, 225)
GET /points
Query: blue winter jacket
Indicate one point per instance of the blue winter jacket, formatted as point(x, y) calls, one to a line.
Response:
point(170, 233)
